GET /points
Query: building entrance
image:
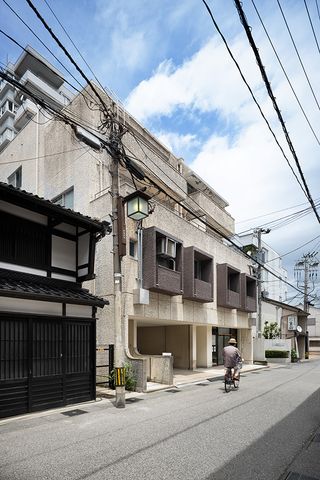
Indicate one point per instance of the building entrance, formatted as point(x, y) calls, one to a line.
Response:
point(220, 338)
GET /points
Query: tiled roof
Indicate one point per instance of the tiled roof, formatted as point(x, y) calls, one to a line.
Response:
point(7, 192)
point(24, 285)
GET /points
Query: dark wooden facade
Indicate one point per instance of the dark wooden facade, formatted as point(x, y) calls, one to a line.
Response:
point(47, 320)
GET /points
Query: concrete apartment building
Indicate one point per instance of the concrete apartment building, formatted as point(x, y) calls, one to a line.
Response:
point(195, 291)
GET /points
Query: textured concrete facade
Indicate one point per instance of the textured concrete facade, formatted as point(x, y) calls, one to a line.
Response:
point(58, 161)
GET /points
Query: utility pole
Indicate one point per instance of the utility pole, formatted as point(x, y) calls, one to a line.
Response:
point(115, 141)
point(258, 232)
point(307, 267)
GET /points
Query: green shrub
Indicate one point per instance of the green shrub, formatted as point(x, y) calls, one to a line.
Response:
point(294, 356)
point(271, 330)
point(277, 354)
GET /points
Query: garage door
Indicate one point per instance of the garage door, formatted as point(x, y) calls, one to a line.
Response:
point(45, 363)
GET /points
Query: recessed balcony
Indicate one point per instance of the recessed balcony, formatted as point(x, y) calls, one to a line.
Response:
point(162, 262)
point(228, 286)
point(198, 275)
point(248, 293)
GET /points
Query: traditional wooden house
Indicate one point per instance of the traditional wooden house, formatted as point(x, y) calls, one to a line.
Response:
point(47, 320)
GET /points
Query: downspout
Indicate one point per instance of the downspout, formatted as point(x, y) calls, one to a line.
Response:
point(37, 150)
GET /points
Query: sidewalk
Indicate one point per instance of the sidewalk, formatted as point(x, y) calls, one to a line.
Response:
point(185, 377)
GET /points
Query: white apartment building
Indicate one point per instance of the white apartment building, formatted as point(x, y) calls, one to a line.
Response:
point(17, 108)
point(272, 287)
point(199, 291)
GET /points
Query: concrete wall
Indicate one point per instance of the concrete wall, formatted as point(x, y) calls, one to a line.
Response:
point(172, 339)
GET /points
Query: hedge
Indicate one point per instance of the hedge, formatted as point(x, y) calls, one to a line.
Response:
point(277, 353)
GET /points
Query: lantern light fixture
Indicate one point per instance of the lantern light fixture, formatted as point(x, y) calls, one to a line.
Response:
point(137, 205)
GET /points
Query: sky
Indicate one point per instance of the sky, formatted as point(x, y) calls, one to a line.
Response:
point(165, 61)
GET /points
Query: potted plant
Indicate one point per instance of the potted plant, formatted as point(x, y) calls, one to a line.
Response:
point(294, 356)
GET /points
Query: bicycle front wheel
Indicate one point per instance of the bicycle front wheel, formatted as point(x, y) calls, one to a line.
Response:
point(236, 381)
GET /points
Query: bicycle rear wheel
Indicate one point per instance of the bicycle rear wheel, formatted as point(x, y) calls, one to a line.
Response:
point(227, 383)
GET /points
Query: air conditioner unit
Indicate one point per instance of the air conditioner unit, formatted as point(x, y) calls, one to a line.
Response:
point(166, 247)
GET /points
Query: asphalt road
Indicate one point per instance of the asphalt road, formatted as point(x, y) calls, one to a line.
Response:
point(199, 432)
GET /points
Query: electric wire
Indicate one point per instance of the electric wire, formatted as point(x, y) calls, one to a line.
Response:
point(252, 95)
point(163, 172)
point(295, 249)
point(65, 31)
point(282, 221)
point(65, 51)
point(58, 75)
point(109, 149)
point(21, 160)
point(220, 234)
point(285, 74)
point(298, 55)
point(318, 9)
point(47, 48)
point(275, 211)
point(311, 24)
point(274, 102)
point(59, 114)
point(38, 99)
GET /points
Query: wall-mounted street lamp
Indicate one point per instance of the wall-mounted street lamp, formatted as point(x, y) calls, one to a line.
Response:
point(138, 208)
point(137, 205)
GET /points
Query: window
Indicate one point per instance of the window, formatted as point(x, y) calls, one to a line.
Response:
point(22, 242)
point(202, 269)
point(15, 178)
point(234, 282)
point(65, 199)
point(166, 247)
point(166, 262)
point(132, 248)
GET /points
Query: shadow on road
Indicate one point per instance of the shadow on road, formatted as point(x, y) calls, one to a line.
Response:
point(268, 457)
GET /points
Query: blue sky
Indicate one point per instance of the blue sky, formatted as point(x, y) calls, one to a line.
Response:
point(164, 60)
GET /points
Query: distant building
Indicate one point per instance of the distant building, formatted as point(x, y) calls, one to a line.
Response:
point(313, 327)
point(17, 108)
point(272, 287)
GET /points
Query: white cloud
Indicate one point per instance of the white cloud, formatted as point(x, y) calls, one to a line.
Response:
point(178, 143)
point(208, 81)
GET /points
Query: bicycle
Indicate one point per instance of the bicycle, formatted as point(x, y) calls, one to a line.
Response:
point(230, 381)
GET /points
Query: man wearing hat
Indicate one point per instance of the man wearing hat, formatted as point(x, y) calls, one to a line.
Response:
point(232, 357)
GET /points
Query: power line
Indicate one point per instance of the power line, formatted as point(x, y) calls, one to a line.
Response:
point(271, 213)
point(286, 75)
point(274, 102)
point(252, 94)
point(59, 114)
point(65, 51)
point(220, 234)
point(65, 31)
point(45, 46)
point(58, 75)
point(296, 50)
point(318, 9)
point(282, 221)
point(63, 152)
point(311, 24)
point(298, 248)
point(109, 146)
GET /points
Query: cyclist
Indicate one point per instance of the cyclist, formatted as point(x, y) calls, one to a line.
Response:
point(232, 358)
